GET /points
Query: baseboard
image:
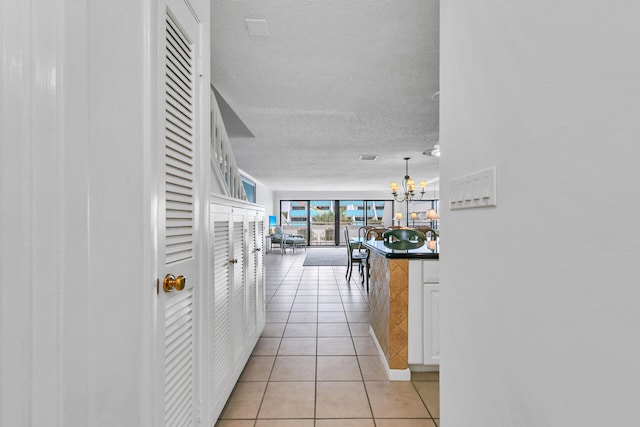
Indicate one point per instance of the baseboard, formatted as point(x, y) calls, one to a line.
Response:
point(393, 374)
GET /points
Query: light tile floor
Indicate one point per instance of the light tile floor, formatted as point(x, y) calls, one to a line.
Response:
point(315, 364)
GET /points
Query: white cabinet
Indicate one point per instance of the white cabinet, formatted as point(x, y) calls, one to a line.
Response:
point(424, 312)
point(431, 324)
point(236, 306)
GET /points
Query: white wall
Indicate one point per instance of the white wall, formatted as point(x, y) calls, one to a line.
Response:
point(540, 295)
point(77, 275)
point(72, 136)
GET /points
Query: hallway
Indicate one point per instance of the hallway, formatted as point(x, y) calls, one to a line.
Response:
point(315, 363)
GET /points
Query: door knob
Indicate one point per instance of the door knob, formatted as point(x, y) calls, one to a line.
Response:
point(233, 261)
point(171, 282)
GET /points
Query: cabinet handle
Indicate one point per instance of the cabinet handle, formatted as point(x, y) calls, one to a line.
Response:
point(233, 261)
point(258, 249)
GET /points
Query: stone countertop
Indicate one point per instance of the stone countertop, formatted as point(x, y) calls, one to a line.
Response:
point(422, 252)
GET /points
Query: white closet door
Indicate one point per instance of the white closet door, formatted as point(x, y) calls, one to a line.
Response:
point(221, 359)
point(178, 219)
point(238, 304)
point(260, 240)
point(251, 291)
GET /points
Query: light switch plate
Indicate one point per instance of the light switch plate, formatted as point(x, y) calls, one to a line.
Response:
point(476, 190)
point(257, 27)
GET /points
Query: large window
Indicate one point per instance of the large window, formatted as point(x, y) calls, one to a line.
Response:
point(321, 222)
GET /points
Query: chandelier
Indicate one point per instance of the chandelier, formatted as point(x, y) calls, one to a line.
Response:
point(408, 187)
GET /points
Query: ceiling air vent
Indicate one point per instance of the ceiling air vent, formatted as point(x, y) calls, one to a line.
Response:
point(368, 156)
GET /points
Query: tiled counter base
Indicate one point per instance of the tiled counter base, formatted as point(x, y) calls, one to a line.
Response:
point(388, 297)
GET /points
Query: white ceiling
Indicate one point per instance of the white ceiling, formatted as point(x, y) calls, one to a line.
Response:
point(332, 80)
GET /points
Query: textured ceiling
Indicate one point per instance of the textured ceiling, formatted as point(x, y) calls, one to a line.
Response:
point(333, 80)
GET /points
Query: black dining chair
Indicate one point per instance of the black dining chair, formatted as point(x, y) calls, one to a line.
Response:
point(358, 255)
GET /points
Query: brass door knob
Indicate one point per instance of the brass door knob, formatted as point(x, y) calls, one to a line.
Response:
point(171, 282)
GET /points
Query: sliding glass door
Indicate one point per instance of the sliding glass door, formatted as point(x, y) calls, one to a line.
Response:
point(294, 216)
point(322, 219)
point(352, 217)
point(322, 222)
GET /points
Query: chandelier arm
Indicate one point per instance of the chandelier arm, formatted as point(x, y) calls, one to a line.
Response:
point(399, 200)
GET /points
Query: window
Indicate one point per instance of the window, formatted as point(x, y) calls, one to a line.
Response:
point(420, 208)
point(249, 189)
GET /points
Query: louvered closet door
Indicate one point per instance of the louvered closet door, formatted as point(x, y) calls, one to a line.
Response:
point(238, 304)
point(251, 288)
point(222, 360)
point(259, 273)
point(178, 219)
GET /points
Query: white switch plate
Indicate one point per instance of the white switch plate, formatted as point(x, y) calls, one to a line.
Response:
point(476, 190)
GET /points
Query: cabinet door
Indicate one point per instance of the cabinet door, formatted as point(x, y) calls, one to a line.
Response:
point(254, 274)
point(250, 275)
point(431, 351)
point(238, 296)
point(236, 307)
point(259, 273)
point(220, 305)
point(220, 345)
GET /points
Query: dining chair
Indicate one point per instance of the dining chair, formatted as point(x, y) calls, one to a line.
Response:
point(356, 256)
point(375, 233)
point(362, 232)
point(426, 229)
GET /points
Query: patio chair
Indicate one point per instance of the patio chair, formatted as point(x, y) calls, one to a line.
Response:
point(284, 240)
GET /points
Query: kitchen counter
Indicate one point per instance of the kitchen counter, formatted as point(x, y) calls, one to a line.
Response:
point(422, 252)
point(403, 287)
